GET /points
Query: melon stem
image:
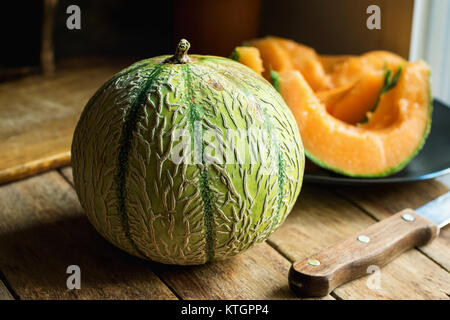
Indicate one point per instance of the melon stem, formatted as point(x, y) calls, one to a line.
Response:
point(180, 56)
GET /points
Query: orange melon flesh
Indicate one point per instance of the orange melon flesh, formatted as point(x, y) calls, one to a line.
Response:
point(250, 57)
point(351, 69)
point(361, 98)
point(305, 60)
point(329, 62)
point(394, 134)
point(383, 59)
point(365, 75)
point(330, 97)
point(273, 55)
point(348, 72)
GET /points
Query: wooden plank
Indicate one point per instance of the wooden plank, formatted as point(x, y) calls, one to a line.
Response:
point(67, 174)
point(47, 48)
point(259, 273)
point(39, 115)
point(383, 201)
point(320, 219)
point(4, 292)
point(43, 230)
point(445, 180)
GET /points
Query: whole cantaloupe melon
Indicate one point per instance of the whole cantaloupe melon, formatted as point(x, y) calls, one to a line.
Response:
point(157, 173)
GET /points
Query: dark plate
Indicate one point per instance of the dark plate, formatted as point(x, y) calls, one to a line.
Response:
point(433, 160)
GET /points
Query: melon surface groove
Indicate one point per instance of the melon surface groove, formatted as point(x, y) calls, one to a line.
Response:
point(197, 209)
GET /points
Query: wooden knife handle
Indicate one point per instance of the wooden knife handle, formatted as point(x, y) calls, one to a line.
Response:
point(319, 274)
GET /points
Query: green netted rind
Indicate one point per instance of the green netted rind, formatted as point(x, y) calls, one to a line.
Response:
point(141, 200)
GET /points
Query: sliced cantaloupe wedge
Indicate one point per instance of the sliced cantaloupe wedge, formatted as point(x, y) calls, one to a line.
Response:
point(362, 116)
point(394, 134)
point(249, 56)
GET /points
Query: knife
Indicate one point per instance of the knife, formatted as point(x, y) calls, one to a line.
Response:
point(349, 259)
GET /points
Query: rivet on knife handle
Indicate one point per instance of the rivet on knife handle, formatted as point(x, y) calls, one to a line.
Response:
point(319, 274)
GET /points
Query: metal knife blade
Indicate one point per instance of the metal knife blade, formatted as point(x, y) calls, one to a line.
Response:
point(437, 210)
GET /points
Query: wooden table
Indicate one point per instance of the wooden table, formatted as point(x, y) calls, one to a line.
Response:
point(38, 114)
point(43, 230)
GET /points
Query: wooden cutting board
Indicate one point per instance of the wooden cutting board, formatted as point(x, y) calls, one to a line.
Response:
point(38, 115)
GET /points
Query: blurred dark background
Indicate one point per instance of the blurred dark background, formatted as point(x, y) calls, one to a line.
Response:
point(148, 28)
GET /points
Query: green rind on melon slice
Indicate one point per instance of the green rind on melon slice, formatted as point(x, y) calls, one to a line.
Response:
point(235, 55)
point(275, 79)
